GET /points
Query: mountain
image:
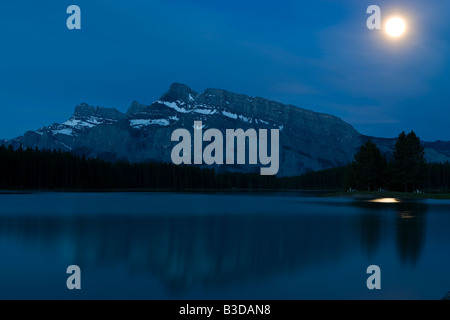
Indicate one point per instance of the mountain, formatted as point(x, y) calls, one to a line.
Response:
point(308, 140)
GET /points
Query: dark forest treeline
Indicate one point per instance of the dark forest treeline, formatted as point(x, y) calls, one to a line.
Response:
point(37, 169)
point(51, 170)
point(437, 179)
point(406, 171)
point(329, 179)
point(44, 169)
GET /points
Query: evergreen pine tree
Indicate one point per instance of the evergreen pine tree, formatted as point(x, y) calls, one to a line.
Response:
point(369, 167)
point(409, 162)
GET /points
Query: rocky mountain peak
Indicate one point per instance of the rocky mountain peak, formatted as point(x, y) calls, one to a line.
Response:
point(216, 97)
point(240, 103)
point(308, 140)
point(135, 107)
point(84, 110)
point(180, 92)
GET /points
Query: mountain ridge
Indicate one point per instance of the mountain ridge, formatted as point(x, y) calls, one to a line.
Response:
point(309, 140)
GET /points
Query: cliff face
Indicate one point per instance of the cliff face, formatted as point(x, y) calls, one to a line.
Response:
point(308, 140)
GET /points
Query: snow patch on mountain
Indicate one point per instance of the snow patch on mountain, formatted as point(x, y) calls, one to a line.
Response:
point(174, 105)
point(139, 123)
point(245, 119)
point(208, 110)
point(78, 123)
point(204, 111)
point(197, 127)
point(65, 131)
point(64, 145)
point(83, 123)
point(230, 115)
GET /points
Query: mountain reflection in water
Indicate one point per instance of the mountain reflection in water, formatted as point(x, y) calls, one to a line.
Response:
point(188, 250)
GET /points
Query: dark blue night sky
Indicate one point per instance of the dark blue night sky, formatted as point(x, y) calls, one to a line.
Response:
point(316, 54)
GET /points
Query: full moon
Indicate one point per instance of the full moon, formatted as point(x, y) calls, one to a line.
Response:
point(395, 27)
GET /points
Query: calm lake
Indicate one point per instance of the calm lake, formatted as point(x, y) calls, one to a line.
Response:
point(221, 246)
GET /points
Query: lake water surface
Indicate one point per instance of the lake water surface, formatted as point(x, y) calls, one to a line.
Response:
point(221, 246)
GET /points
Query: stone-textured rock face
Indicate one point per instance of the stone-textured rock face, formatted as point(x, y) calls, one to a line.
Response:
point(84, 111)
point(308, 140)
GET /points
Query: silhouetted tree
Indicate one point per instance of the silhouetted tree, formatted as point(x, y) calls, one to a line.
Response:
point(369, 167)
point(408, 162)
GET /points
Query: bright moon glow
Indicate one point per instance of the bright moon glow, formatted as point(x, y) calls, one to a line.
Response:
point(386, 200)
point(395, 27)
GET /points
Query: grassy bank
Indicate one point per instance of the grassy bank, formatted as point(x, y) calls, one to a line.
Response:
point(388, 194)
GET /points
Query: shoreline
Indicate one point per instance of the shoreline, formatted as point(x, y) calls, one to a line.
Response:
point(371, 195)
point(358, 195)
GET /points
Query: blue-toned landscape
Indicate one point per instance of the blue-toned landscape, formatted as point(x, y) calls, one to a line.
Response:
point(225, 150)
point(221, 246)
